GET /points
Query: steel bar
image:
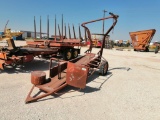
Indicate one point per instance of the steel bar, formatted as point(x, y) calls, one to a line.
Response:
point(65, 31)
point(40, 29)
point(74, 32)
point(62, 28)
point(80, 36)
point(48, 27)
point(69, 31)
point(55, 29)
point(59, 31)
point(35, 36)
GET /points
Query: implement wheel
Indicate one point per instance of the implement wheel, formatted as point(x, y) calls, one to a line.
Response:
point(156, 49)
point(67, 54)
point(75, 53)
point(103, 68)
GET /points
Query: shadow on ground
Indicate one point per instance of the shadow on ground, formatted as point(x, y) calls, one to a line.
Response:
point(40, 65)
point(120, 68)
point(88, 89)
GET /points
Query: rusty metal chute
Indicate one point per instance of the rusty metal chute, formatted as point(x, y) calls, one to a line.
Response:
point(141, 39)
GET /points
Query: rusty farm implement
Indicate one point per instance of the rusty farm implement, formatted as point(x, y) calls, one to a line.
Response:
point(66, 47)
point(74, 72)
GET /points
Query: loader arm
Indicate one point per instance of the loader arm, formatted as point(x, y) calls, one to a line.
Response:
point(115, 17)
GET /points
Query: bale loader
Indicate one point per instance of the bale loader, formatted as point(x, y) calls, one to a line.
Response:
point(74, 72)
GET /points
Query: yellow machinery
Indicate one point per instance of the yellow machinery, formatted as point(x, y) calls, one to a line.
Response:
point(7, 38)
point(7, 47)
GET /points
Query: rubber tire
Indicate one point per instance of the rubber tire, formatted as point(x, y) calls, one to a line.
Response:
point(65, 54)
point(103, 71)
point(75, 53)
point(45, 56)
point(156, 49)
point(147, 49)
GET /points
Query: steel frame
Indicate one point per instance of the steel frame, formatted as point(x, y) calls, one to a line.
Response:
point(74, 72)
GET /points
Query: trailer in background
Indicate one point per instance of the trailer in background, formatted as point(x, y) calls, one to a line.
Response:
point(74, 72)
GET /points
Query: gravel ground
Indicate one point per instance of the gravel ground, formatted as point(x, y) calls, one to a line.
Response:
point(130, 91)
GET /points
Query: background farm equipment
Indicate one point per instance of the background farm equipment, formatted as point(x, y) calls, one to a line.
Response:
point(74, 72)
point(141, 39)
point(109, 44)
point(97, 40)
point(10, 55)
point(67, 47)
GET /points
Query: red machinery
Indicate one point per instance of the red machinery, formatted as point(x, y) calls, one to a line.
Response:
point(68, 48)
point(74, 72)
point(96, 40)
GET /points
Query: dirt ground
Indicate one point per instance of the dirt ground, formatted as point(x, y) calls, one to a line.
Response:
point(130, 91)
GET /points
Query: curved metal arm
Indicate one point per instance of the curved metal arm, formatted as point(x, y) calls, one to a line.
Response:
point(115, 17)
point(89, 37)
